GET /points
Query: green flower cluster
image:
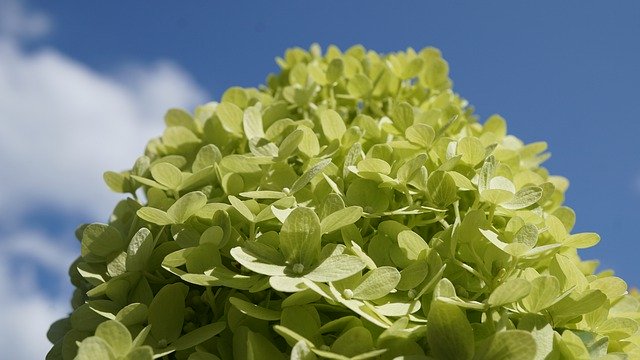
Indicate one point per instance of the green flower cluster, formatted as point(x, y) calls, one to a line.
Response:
point(351, 208)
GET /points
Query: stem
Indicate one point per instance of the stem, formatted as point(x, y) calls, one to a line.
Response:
point(252, 231)
point(492, 211)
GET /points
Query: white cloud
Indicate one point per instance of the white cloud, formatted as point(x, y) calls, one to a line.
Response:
point(62, 124)
point(25, 311)
point(16, 21)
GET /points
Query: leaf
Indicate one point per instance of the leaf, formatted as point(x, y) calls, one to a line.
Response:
point(252, 123)
point(510, 345)
point(242, 208)
point(340, 218)
point(471, 150)
point(420, 134)
point(300, 237)
point(308, 175)
point(166, 313)
point(336, 268)
point(334, 70)
point(527, 235)
point(258, 347)
point(356, 340)
point(582, 240)
point(100, 240)
point(302, 351)
point(132, 314)
point(402, 116)
point(309, 145)
point(231, 117)
point(544, 291)
point(449, 333)
point(187, 206)
point(486, 173)
point(140, 250)
point(155, 216)
point(167, 174)
point(140, 353)
point(116, 182)
point(208, 155)
point(442, 189)
point(509, 292)
point(94, 348)
point(332, 124)
point(254, 310)
point(377, 283)
point(290, 144)
point(374, 165)
point(198, 336)
point(256, 264)
point(359, 86)
point(116, 335)
point(523, 198)
point(303, 320)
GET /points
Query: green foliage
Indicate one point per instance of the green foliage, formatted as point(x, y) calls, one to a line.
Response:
point(351, 208)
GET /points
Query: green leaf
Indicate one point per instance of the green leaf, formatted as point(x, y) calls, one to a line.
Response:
point(231, 117)
point(254, 310)
point(402, 116)
point(242, 208)
point(303, 320)
point(527, 235)
point(510, 345)
point(198, 336)
point(442, 188)
point(116, 335)
point(374, 165)
point(582, 240)
point(155, 216)
point(133, 314)
point(100, 240)
point(449, 333)
point(410, 245)
point(167, 174)
point(140, 353)
point(420, 134)
point(471, 150)
point(309, 145)
point(509, 292)
point(340, 218)
point(377, 283)
point(359, 86)
point(256, 263)
point(116, 182)
point(259, 348)
point(187, 206)
point(334, 70)
point(252, 123)
point(332, 124)
point(308, 175)
point(290, 144)
point(94, 348)
point(336, 268)
point(355, 341)
point(140, 250)
point(302, 351)
point(300, 237)
point(544, 291)
point(166, 313)
point(523, 198)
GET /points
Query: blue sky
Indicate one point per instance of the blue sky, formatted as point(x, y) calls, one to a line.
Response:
point(83, 86)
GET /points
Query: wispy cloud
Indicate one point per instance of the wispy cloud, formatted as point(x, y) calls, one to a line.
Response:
point(63, 124)
point(18, 22)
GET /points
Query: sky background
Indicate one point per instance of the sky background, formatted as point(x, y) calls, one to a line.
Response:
point(84, 86)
